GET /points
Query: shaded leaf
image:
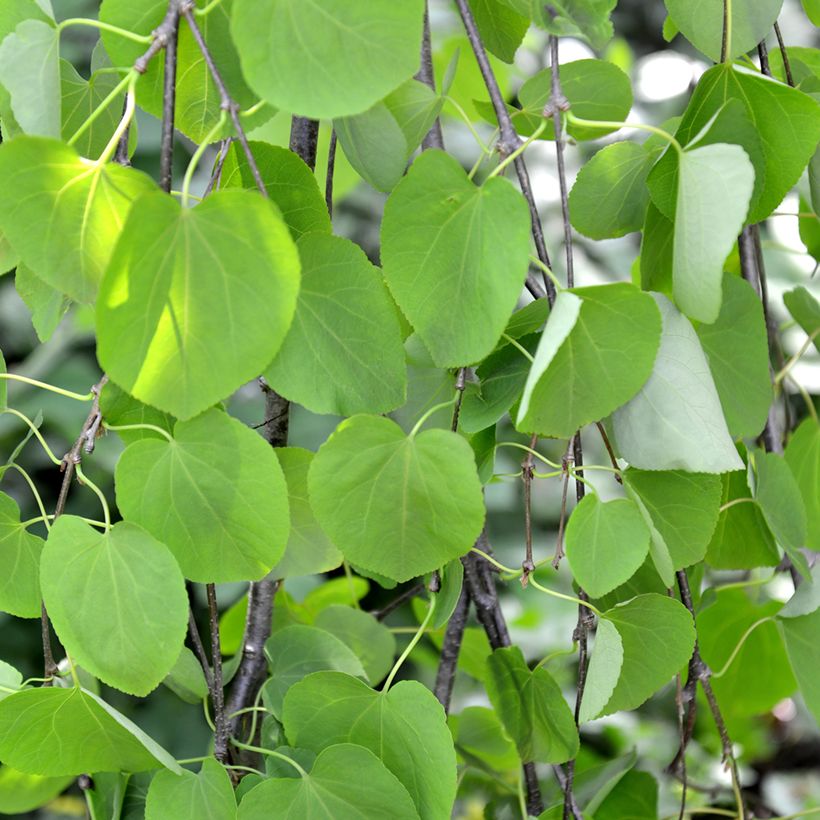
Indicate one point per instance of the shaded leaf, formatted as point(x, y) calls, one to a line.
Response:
point(19, 558)
point(188, 796)
point(803, 457)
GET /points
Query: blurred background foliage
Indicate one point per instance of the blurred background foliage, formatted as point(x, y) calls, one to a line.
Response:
point(780, 743)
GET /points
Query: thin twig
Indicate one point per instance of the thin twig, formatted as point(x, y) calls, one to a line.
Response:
point(610, 451)
point(724, 41)
point(227, 103)
point(199, 649)
point(566, 469)
point(434, 137)
point(166, 151)
point(331, 168)
point(527, 469)
point(784, 54)
point(461, 383)
point(221, 735)
point(509, 138)
point(216, 176)
point(399, 600)
point(450, 649)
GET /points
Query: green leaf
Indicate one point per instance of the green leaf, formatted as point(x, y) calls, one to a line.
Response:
point(779, 497)
point(609, 197)
point(395, 505)
point(189, 796)
point(596, 353)
point(309, 551)
point(119, 408)
point(702, 24)
point(809, 228)
point(367, 47)
point(741, 539)
point(501, 28)
point(676, 422)
point(531, 707)
point(347, 782)
point(80, 207)
point(21, 792)
point(657, 636)
point(759, 675)
point(298, 650)
point(19, 558)
point(714, 188)
point(657, 243)
point(634, 797)
point(800, 635)
point(370, 640)
point(805, 310)
point(606, 543)
point(344, 352)
point(806, 598)
point(10, 679)
point(186, 678)
point(71, 731)
point(30, 73)
point(246, 267)
point(683, 508)
point(604, 670)
point(451, 576)
point(4, 398)
point(132, 622)
point(453, 251)
point(803, 457)
point(289, 182)
point(198, 103)
point(215, 495)
point(47, 305)
point(812, 9)
point(737, 348)
point(404, 726)
point(479, 735)
point(344, 591)
point(587, 19)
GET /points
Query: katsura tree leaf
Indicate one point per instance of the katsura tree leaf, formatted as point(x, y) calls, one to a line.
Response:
point(803, 457)
point(683, 508)
point(367, 48)
point(702, 23)
point(47, 304)
point(289, 183)
point(780, 147)
point(812, 9)
point(8, 256)
point(131, 625)
point(595, 354)
point(405, 726)
point(714, 189)
point(21, 792)
point(478, 733)
point(809, 229)
point(805, 310)
point(119, 408)
point(778, 495)
point(606, 543)
point(609, 197)
point(800, 635)
point(604, 670)
point(19, 559)
point(179, 347)
point(188, 796)
point(198, 104)
point(370, 640)
point(79, 207)
point(675, 422)
point(298, 650)
point(453, 251)
point(501, 28)
point(347, 782)
point(30, 74)
point(215, 495)
point(657, 637)
point(737, 348)
point(806, 598)
point(587, 19)
point(186, 678)
point(400, 506)
point(655, 261)
point(633, 797)
point(741, 540)
point(308, 551)
point(596, 89)
point(759, 676)
point(72, 731)
point(531, 707)
point(343, 353)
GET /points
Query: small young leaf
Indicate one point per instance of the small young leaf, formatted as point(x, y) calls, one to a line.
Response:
point(405, 727)
point(19, 557)
point(72, 731)
point(531, 707)
point(803, 457)
point(452, 251)
point(347, 782)
point(189, 796)
point(605, 543)
point(82, 207)
point(367, 47)
point(117, 601)
point(395, 505)
point(676, 422)
point(246, 268)
point(596, 353)
point(343, 353)
point(215, 495)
